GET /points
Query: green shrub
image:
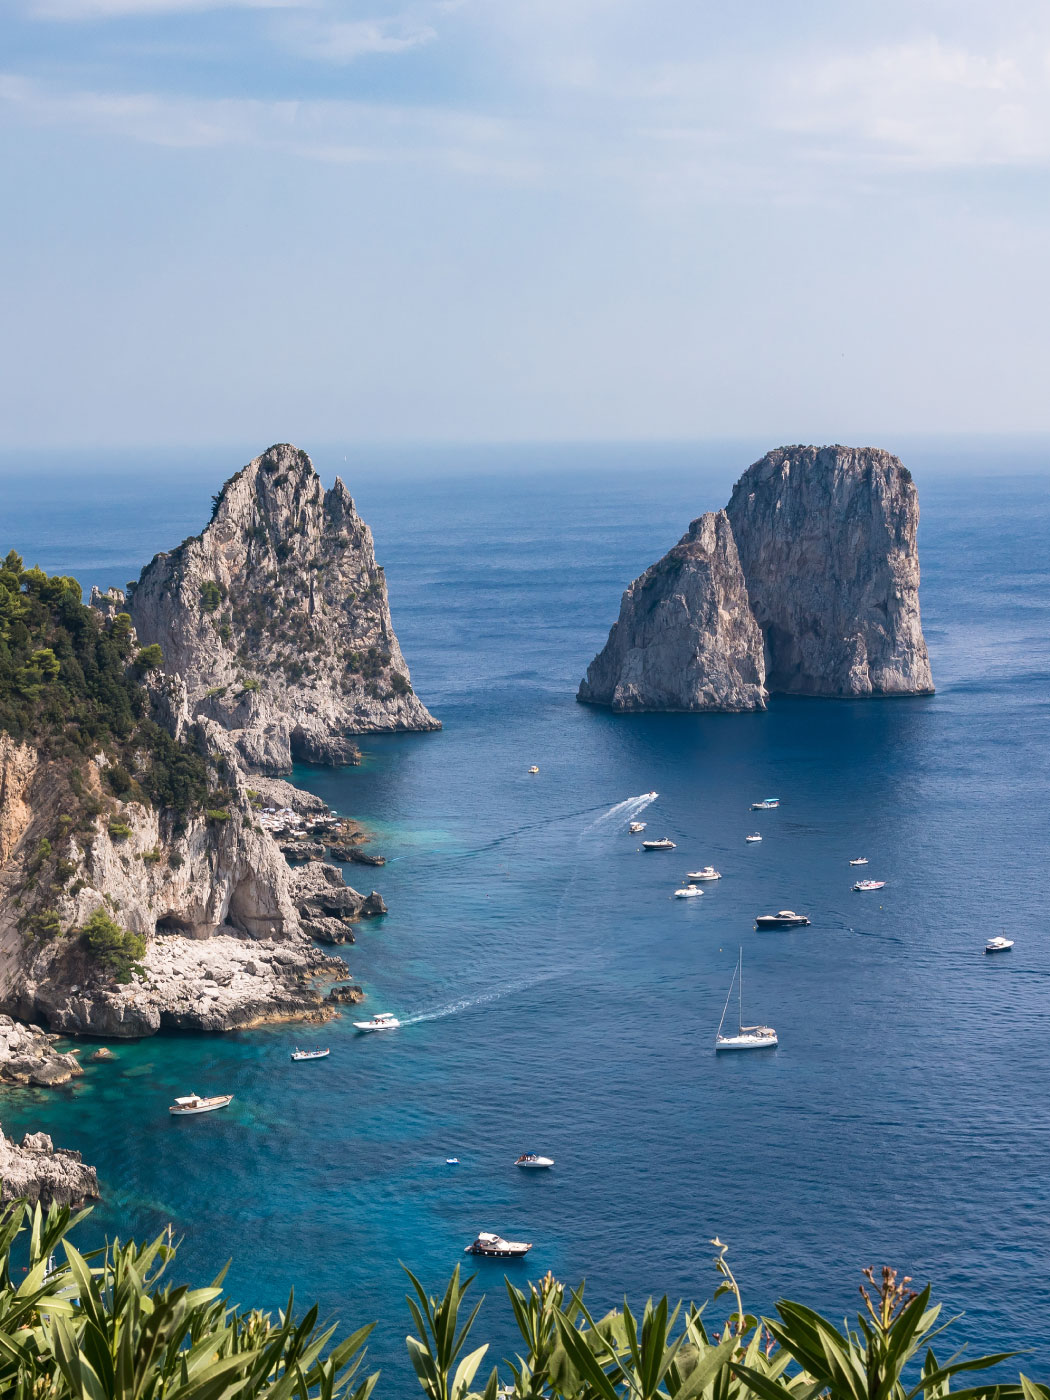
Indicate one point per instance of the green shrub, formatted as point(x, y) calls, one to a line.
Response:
point(176, 861)
point(149, 658)
point(211, 595)
point(217, 814)
point(153, 857)
point(399, 684)
point(45, 923)
point(114, 949)
point(119, 779)
point(65, 870)
point(118, 830)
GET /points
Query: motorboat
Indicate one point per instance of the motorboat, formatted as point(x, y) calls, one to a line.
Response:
point(662, 845)
point(381, 1021)
point(652, 796)
point(998, 944)
point(636, 827)
point(193, 1103)
point(451, 1161)
point(534, 1161)
point(861, 860)
point(298, 1054)
point(869, 885)
point(495, 1247)
point(787, 918)
point(534, 769)
point(688, 892)
point(753, 837)
point(707, 873)
point(746, 1037)
point(766, 805)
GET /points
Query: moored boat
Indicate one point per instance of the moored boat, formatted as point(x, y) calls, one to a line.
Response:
point(298, 1054)
point(869, 885)
point(636, 827)
point(381, 1021)
point(688, 892)
point(534, 1161)
point(495, 1247)
point(787, 918)
point(662, 845)
point(860, 860)
point(998, 944)
point(766, 805)
point(534, 768)
point(753, 837)
point(707, 873)
point(193, 1103)
point(746, 1037)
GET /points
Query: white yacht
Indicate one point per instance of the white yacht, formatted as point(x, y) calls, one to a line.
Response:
point(753, 837)
point(381, 1021)
point(746, 1037)
point(662, 845)
point(766, 805)
point(298, 1054)
point(497, 1248)
point(707, 873)
point(861, 860)
point(998, 944)
point(193, 1103)
point(688, 892)
point(636, 827)
point(534, 768)
point(534, 1161)
point(870, 885)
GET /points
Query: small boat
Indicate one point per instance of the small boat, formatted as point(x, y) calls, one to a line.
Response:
point(636, 827)
point(688, 892)
point(451, 1161)
point(869, 885)
point(534, 1161)
point(787, 918)
point(707, 873)
point(193, 1103)
point(494, 1247)
point(747, 1037)
point(766, 805)
point(753, 837)
point(861, 860)
point(998, 944)
point(381, 1021)
point(298, 1054)
point(662, 845)
point(652, 796)
point(534, 769)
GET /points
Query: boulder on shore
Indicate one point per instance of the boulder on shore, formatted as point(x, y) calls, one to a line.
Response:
point(39, 1171)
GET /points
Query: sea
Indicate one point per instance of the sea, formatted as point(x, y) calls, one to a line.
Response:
point(554, 996)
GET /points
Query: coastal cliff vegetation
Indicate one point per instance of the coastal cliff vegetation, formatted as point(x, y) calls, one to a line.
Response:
point(111, 1326)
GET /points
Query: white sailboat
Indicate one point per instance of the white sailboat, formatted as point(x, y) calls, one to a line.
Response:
point(747, 1037)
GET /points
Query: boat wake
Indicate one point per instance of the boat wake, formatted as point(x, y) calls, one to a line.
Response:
point(465, 1003)
point(622, 812)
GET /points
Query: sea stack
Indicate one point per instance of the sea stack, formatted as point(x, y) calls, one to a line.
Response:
point(685, 638)
point(807, 584)
point(276, 618)
point(826, 537)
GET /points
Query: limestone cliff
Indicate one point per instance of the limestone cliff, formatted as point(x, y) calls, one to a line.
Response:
point(276, 618)
point(685, 638)
point(39, 1171)
point(827, 542)
point(808, 583)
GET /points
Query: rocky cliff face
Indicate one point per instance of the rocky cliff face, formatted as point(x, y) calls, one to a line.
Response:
point(276, 618)
point(39, 1171)
point(827, 542)
point(685, 638)
point(807, 583)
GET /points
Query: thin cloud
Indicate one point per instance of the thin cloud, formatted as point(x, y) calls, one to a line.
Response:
point(341, 41)
point(74, 10)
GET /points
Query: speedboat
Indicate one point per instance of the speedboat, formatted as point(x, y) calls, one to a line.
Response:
point(869, 884)
point(534, 769)
point(652, 796)
point(753, 837)
point(381, 1021)
point(298, 1054)
point(497, 1248)
point(193, 1103)
point(787, 918)
point(707, 873)
point(636, 827)
point(688, 892)
point(746, 1037)
point(451, 1161)
point(998, 945)
point(534, 1160)
point(861, 860)
point(662, 845)
point(766, 805)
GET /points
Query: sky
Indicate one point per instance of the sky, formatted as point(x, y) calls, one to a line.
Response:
point(520, 220)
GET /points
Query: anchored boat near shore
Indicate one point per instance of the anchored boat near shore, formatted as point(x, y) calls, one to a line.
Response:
point(298, 1054)
point(193, 1103)
point(495, 1247)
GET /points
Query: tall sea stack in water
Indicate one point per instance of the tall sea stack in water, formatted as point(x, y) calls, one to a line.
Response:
point(807, 584)
point(276, 619)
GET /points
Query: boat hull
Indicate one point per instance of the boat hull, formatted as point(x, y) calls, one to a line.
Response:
point(517, 1252)
point(746, 1042)
point(541, 1164)
point(312, 1055)
point(189, 1112)
point(771, 921)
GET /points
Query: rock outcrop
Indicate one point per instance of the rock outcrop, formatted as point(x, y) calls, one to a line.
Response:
point(827, 541)
point(685, 638)
point(808, 584)
point(39, 1171)
point(29, 1055)
point(276, 619)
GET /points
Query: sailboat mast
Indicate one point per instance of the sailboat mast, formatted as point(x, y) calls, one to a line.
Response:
point(725, 1008)
point(740, 992)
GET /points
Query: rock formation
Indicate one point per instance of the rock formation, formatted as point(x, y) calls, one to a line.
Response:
point(827, 543)
point(276, 619)
point(685, 638)
point(39, 1171)
point(29, 1055)
point(808, 583)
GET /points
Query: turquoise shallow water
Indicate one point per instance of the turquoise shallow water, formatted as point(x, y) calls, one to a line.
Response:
point(556, 997)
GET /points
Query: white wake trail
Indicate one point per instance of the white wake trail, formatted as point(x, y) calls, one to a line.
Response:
point(465, 1003)
point(623, 812)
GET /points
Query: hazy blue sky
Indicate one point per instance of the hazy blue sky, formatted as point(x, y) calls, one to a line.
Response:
point(229, 220)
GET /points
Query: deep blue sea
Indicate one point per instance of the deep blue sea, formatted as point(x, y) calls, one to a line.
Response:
point(557, 998)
